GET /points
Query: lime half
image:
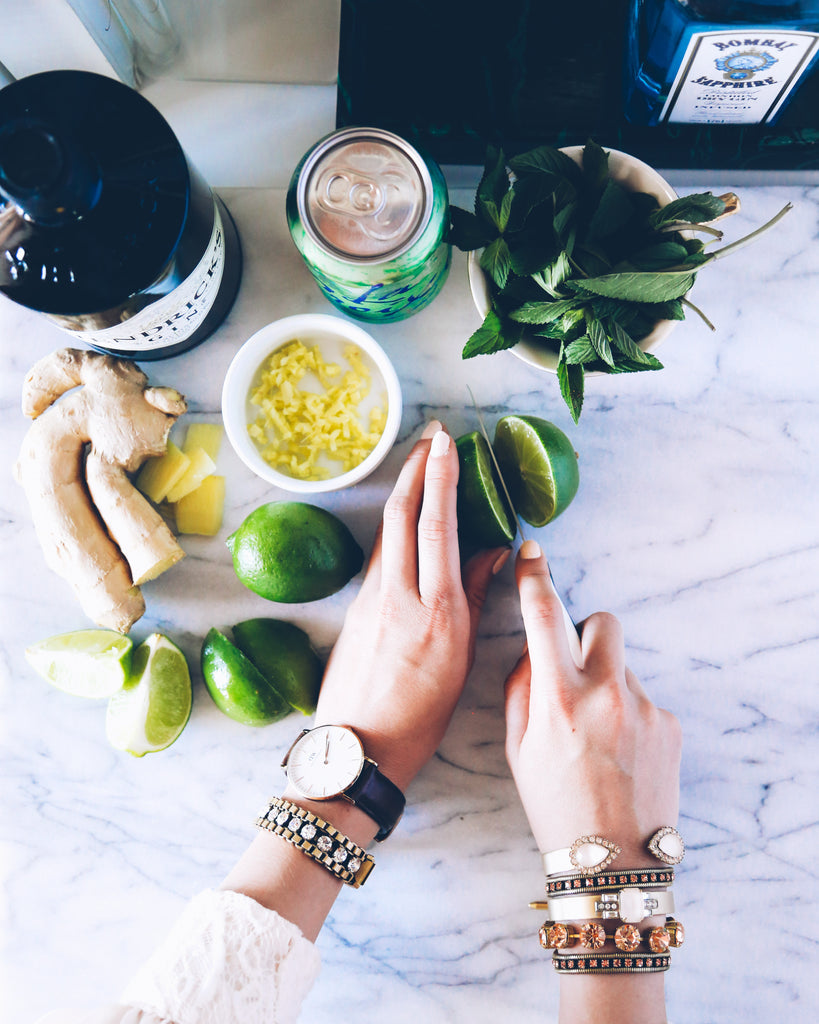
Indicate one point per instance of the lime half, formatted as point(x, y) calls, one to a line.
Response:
point(285, 657)
point(484, 516)
point(238, 688)
point(85, 663)
point(155, 704)
point(539, 465)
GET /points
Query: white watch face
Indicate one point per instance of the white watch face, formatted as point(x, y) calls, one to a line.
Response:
point(325, 761)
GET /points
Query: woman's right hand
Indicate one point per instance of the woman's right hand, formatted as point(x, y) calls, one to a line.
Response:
point(589, 752)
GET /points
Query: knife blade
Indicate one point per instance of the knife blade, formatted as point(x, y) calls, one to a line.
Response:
point(572, 632)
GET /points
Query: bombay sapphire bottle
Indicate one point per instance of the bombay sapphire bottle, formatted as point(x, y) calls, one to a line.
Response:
point(726, 62)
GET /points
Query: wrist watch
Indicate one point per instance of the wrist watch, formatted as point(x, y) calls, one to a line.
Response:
point(328, 762)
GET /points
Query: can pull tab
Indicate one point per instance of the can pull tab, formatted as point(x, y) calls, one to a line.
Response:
point(377, 206)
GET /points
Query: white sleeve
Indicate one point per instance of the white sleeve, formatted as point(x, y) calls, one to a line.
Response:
point(227, 960)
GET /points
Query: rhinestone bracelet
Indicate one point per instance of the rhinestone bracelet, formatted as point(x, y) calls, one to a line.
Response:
point(627, 937)
point(318, 839)
point(647, 963)
point(645, 878)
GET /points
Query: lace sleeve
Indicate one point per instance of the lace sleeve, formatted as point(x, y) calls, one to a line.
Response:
point(227, 960)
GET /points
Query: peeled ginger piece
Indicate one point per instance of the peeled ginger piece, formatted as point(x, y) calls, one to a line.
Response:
point(163, 472)
point(207, 436)
point(200, 511)
point(201, 465)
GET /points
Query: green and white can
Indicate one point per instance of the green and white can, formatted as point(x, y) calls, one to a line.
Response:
point(369, 213)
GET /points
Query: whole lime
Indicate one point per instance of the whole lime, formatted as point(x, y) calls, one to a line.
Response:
point(237, 687)
point(285, 657)
point(292, 552)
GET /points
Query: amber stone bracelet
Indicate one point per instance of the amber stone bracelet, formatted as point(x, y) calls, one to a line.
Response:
point(645, 878)
point(596, 963)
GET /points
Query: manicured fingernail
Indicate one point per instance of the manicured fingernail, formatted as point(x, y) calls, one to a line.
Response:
point(501, 561)
point(440, 444)
point(530, 549)
point(431, 429)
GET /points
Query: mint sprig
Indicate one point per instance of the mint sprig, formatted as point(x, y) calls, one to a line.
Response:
point(576, 259)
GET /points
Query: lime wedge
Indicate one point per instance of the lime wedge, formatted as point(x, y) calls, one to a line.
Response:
point(238, 688)
point(539, 465)
point(150, 712)
point(484, 516)
point(85, 663)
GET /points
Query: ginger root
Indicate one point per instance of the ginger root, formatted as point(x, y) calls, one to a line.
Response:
point(96, 530)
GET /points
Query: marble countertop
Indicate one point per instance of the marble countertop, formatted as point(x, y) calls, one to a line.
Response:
point(697, 523)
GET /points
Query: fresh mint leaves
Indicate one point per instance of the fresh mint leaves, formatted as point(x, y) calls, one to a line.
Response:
point(578, 260)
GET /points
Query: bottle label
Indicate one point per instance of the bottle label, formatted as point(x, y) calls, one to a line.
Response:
point(174, 317)
point(742, 76)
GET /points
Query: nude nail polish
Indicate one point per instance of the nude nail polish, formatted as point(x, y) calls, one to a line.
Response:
point(530, 549)
point(440, 444)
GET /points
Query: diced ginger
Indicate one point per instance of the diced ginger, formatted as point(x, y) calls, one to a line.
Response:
point(160, 474)
point(204, 435)
point(201, 510)
point(201, 465)
point(310, 434)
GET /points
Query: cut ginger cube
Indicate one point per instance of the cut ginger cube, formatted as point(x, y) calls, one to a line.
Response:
point(160, 474)
point(207, 436)
point(201, 465)
point(200, 511)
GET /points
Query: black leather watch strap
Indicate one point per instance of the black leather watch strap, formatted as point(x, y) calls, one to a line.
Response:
point(373, 792)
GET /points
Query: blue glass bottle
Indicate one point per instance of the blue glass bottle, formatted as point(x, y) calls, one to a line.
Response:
point(725, 62)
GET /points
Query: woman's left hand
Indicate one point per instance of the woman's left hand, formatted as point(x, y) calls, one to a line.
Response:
point(401, 661)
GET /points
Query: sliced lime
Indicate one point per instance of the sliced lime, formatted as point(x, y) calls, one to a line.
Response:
point(539, 465)
point(238, 688)
point(484, 516)
point(150, 712)
point(86, 663)
point(283, 654)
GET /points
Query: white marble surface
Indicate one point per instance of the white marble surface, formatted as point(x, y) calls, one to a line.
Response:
point(696, 523)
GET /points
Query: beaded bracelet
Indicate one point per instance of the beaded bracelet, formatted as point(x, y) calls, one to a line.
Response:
point(645, 878)
point(595, 963)
point(627, 938)
point(318, 840)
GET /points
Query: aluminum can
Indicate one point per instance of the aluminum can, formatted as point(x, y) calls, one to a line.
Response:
point(368, 213)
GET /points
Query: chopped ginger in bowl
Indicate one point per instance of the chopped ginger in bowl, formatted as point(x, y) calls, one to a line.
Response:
point(311, 403)
point(315, 420)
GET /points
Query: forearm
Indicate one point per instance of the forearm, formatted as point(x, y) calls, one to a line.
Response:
point(615, 999)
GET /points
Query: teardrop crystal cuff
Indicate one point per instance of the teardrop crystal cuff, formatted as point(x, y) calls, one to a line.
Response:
point(318, 840)
point(592, 854)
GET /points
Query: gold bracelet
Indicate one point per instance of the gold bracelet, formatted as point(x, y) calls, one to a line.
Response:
point(318, 840)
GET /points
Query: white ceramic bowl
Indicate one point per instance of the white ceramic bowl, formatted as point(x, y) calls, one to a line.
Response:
point(634, 175)
point(331, 334)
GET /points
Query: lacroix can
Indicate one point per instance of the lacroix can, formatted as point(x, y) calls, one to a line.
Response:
point(368, 213)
